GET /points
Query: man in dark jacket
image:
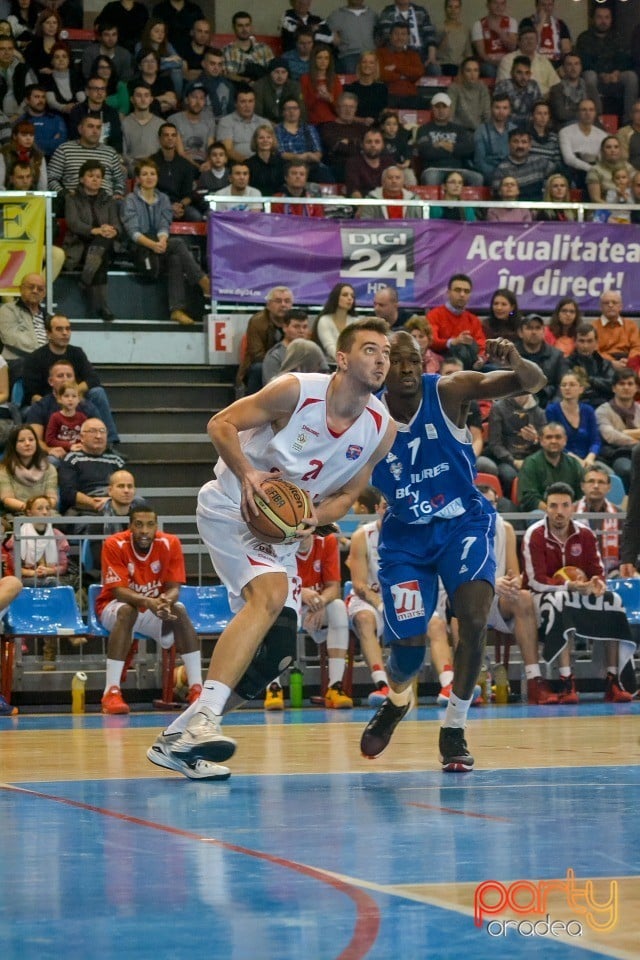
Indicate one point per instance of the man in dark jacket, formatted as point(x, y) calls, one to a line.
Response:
point(598, 372)
point(444, 146)
point(532, 346)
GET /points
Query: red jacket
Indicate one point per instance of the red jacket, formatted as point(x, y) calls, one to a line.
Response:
point(447, 324)
point(543, 555)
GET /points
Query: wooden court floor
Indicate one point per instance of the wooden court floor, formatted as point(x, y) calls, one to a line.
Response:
point(313, 853)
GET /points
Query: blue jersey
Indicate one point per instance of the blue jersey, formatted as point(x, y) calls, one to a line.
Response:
point(429, 472)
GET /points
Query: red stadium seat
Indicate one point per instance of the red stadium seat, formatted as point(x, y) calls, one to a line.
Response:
point(427, 192)
point(184, 228)
point(475, 193)
point(490, 481)
point(609, 122)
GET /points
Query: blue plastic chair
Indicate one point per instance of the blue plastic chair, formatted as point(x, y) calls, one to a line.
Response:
point(208, 608)
point(629, 590)
point(616, 493)
point(95, 628)
point(45, 612)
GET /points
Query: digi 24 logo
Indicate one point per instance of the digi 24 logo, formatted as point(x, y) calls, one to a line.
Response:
point(379, 255)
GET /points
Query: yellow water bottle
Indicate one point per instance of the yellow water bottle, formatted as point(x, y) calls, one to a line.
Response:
point(502, 684)
point(78, 692)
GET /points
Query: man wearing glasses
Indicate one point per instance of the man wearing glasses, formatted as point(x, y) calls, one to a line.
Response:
point(95, 106)
point(22, 328)
point(84, 474)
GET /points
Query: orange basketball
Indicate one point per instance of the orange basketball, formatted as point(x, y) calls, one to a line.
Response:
point(570, 575)
point(282, 508)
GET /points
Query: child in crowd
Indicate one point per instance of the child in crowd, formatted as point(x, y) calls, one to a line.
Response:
point(215, 173)
point(63, 428)
point(397, 143)
point(620, 193)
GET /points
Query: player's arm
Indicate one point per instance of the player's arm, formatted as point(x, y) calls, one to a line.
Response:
point(509, 585)
point(358, 563)
point(335, 506)
point(273, 404)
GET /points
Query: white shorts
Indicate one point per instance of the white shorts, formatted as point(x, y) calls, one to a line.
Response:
point(237, 556)
point(356, 605)
point(146, 623)
point(496, 621)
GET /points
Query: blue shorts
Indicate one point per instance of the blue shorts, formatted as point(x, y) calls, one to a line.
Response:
point(412, 557)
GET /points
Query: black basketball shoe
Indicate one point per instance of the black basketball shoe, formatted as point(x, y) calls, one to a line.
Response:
point(379, 730)
point(454, 755)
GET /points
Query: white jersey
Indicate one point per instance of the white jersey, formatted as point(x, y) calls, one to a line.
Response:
point(372, 534)
point(306, 451)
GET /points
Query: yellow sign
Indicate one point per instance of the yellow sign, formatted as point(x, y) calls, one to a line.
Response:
point(22, 231)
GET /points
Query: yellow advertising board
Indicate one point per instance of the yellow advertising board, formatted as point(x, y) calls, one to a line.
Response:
point(22, 239)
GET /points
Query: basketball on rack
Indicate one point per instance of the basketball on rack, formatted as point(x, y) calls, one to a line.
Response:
point(570, 575)
point(282, 507)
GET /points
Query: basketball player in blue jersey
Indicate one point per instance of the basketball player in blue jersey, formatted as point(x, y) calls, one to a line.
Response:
point(437, 524)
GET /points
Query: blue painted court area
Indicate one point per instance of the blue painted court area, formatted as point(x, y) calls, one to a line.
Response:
point(305, 867)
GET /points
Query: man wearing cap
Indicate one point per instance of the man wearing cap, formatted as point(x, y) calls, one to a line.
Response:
point(531, 345)
point(194, 124)
point(444, 146)
point(176, 175)
point(272, 90)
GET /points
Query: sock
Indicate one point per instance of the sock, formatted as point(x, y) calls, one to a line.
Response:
point(378, 675)
point(193, 666)
point(565, 672)
point(532, 670)
point(400, 699)
point(446, 677)
point(457, 711)
point(214, 696)
point(613, 671)
point(336, 670)
point(114, 673)
point(181, 721)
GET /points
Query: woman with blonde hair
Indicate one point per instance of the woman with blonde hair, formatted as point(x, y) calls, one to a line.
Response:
point(556, 190)
point(266, 167)
point(372, 93)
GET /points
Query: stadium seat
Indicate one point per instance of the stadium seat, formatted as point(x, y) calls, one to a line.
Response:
point(188, 229)
point(45, 612)
point(427, 192)
point(208, 608)
point(475, 193)
point(617, 493)
point(490, 481)
point(610, 122)
point(629, 590)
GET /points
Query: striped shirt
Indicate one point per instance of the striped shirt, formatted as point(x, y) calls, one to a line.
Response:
point(65, 163)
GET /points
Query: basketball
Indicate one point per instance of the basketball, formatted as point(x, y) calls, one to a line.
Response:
point(282, 508)
point(570, 575)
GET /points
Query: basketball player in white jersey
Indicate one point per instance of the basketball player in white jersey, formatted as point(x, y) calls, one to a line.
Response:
point(325, 434)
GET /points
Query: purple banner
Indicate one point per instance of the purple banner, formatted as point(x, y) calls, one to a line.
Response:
point(252, 252)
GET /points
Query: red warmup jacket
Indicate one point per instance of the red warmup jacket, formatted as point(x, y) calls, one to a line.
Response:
point(543, 554)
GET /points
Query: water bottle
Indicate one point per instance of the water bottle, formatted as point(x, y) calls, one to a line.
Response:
point(296, 693)
point(77, 692)
point(524, 692)
point(502, 684)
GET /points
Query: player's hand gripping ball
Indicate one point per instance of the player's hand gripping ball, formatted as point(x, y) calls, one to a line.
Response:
point(282, 507)
point(570, 575)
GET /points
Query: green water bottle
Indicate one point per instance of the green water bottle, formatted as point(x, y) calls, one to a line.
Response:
point(296, 693)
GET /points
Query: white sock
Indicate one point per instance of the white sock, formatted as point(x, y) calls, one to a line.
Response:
point(214, 696)
point(457, 711)
point(613, 671)
point(336, 670)
point(532, 670)
point(114, 674)
point(193, 666)
point(378, 675)
point(446, 677)
point(181, 721)
point(565, 671)
point(400, 699)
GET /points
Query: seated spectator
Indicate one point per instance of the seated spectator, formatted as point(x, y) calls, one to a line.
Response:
point(215, 177)
point(41, 410)
point(84, 474)
point(580, 143)
point(578, 420)
point(392, 188)
point(532, 346)
point(565, 97)
point(147, 218)
point(452, 190)
point(563, 324)
point(22, 148)
point(295, 326)
point(338, 312)
point(221, 93)
point(140, 128)
point(25, 472)
point(530, 171)
point(195, 125)
point(515, 425)
point(422, 332)
point(63, 428)
point(94, 104)
point(544, 139)
point(299, 56)
point(553, 37)
point(300, 141)
point(65, 84)
point(629, 138)
point(473, 420)
point(50, 128)
point(295, 187)
point(619, 193)
point(386, 306)
point(44, 554)
point(550, 464)
point(618, 338)
point(320, 87)
point(107, 45)
point(93, 226)
point(453, 38)
point(503, 319)
point(263, 331)
point(600, 176)
point(299, 20)
point(397, 143)
point(470, 99)
point(64, 166)
point(596, 485)
point(521, 89)
point(129, 17)
point(266, 167)
point(155, 37)
point(245, 59)
point(22, 323)
point(546, 547)
point(363, 172)
point(508, 191)
point(236, 129)
point(37, 53)
point(342, 137)
point(542, 70)
point(400, 67)
point(179, 20)
point(491, 139)
point(22, 21)
point(165, 98)
point(176, 175)
point(303, 356)
point(619, 424)
point(493, 36)
point(606, 60)
point(422, 33)
point(557, 190)
point(117, 98)
point(444, 146)
point(456, 331)
point(597, 372)
point(372, 94)
point(239, 176)
point(271, 91)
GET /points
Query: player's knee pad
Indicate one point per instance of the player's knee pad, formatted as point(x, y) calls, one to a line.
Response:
point(404, 662)
point(337, 616)
point(276, 653)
